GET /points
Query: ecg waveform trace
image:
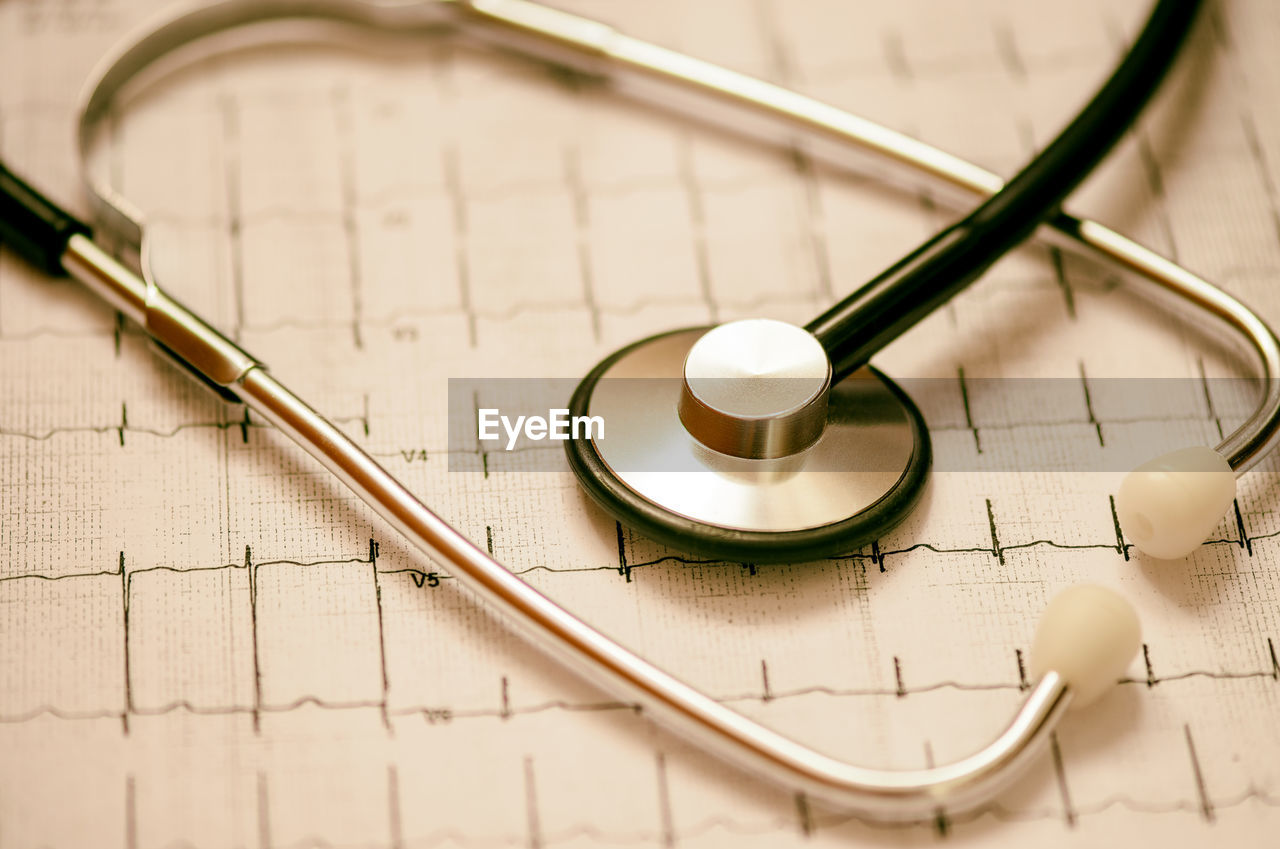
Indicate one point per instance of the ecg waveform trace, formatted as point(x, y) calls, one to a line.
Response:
point(1206, 806)
point(422, 578)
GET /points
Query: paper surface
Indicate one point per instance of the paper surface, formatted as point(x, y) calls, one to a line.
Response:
point(206, 641)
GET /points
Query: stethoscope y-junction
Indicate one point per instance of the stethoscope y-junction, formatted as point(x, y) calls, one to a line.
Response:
point(753, 451)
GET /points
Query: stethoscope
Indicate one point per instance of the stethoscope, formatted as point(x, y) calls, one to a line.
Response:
point(759, 440)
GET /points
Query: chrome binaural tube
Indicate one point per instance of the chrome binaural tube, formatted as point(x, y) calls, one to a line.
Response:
point(701, 91)
point(666, 78)
point(893, 794)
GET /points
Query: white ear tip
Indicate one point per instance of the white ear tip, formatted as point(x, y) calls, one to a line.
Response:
point(1087, 634)
point(1168, 506)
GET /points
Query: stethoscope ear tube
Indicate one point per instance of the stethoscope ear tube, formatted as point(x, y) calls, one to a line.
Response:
point(857, 327)
point(33, 226)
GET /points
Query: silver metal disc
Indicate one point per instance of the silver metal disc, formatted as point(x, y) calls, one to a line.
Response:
point(866, 450)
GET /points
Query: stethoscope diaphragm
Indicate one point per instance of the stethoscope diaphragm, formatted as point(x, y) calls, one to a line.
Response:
point(857, 480)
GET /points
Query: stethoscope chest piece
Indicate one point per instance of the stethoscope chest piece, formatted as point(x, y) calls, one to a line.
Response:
point(753, 457)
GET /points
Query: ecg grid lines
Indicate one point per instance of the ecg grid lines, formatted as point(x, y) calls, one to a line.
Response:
point(1204, 805)
point(361, 299)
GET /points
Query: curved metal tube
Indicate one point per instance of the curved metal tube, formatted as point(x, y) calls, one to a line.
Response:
point(667, 79)
point(594, 48)
point(891, 794)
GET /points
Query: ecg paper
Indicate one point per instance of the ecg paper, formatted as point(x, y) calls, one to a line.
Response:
point(205, 641)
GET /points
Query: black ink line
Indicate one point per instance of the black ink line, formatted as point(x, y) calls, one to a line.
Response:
point(1060, 774)
point(877, 557)
point(968, 412)
point(128, 673)
point(146, 570)
point(816, 220)
point(506, 311)
point(804, 814)
point(531, 806)
point(37, 577)
point(1245, 542)
point(1219, 28)
point(340, 102)
point(895, 57)
point(434, 714)
point(784, 72)
point(996, 550)
point(1208, 396)
point(235, 224)
point(1121, 546)
point(624, 568)
point(1088, 406)
point(43, 436)
point(382, 648)
point(1010, 57)
point(582, 225)
point(1123, 802)
point(1264, 173)
point(115, 165)
point(814, 213)
point(360, 419)
point(253, 622)
point(1064, 284)
point(453, 184)
point(1155, 180)
point(484, 455)
point(697, 226)
point(941, 822)
point(1206, 806)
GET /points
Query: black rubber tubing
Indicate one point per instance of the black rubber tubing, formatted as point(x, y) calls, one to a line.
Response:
point(870, 318)
point(34, 226)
